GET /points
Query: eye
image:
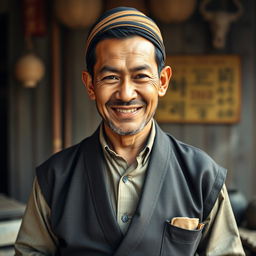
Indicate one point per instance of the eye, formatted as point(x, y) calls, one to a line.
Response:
point(110, 78)
point(141, 76)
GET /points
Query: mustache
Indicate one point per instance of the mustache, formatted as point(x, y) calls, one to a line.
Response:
point(125, 103)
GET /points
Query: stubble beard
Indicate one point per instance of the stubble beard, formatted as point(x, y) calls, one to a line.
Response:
point(122, 132)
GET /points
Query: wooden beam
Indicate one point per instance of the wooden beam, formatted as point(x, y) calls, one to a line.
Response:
point(56, 89)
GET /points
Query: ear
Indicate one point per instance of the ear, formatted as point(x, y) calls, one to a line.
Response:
point(88, 83)
point(165, 77)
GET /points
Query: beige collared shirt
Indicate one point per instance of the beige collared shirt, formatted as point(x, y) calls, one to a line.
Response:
point(124, 182)
point(124, 185)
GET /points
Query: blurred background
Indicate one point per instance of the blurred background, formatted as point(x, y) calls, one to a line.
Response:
point(44, 106)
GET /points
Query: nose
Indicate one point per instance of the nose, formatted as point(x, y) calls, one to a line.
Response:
point(126, 91)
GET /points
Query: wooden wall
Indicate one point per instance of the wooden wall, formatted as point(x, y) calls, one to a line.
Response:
point(232, 146)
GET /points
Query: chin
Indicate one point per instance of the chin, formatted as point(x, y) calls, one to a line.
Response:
point(125, 131)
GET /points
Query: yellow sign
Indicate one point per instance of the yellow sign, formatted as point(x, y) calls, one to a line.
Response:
point(203, 89)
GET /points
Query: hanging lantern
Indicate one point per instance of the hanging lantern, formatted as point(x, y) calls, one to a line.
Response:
point(172, 11)
point(78, 13)
point(29, 70)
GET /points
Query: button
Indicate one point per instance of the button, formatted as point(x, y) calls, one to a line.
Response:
point(125, 218)
point(125, 179)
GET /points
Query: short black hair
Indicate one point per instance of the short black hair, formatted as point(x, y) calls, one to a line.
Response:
point(119, 33)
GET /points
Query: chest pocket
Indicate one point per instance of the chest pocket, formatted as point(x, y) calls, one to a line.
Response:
point(179, 242)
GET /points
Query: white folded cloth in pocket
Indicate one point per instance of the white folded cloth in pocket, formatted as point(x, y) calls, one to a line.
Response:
point(186, 223)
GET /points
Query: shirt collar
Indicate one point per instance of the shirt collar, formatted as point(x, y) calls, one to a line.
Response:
point(144, 154)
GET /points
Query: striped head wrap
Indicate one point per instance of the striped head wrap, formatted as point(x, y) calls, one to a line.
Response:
point(123, 17)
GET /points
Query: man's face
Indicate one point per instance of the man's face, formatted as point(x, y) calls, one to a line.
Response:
point(126, 83)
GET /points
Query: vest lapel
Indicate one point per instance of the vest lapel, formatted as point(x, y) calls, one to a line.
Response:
point(94, 164)
point(156, 172)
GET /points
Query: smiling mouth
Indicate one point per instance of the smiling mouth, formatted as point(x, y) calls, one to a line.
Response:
point(126, 109)
point(126, 112)
point(130, 110)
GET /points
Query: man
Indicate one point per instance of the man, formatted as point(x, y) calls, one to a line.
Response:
point(129, 189)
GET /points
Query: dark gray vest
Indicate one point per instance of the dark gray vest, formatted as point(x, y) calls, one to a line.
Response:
point(181, 181)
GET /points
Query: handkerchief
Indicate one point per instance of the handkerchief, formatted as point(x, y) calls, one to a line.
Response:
point(186, 223)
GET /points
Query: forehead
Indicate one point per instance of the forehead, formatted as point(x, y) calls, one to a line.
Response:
point(130, 49)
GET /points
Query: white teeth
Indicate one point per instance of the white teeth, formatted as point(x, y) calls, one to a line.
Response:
point(131, 110)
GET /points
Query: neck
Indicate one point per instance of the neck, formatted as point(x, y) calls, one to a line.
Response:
point(128, 146)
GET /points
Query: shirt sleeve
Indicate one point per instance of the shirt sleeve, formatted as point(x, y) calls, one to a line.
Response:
point(35, 236)
point(221, 235)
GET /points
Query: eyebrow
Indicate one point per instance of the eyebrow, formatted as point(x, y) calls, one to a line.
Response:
point(109, 69)
point(140, 68)
point(115, 70)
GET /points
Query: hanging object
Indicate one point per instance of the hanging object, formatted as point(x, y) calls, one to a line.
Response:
point(79, 13)
point(138, 4)
point(220, 22)
point(29, 70)
point(34, 21)
point(172, 11)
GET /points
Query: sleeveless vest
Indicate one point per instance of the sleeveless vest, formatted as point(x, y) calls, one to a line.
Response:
point(181, 181)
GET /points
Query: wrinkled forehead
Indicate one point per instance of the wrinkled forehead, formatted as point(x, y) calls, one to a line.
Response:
point(121, 46)
point(128, 51)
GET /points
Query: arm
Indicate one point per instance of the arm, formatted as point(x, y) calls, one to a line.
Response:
point(35, 236)
point(221, 236)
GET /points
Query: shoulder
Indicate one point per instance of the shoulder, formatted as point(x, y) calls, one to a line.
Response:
point(63, 167)
point(192, 157)
point(66, 157)
point(61, 158)
point(187, 156)
point(58, 168)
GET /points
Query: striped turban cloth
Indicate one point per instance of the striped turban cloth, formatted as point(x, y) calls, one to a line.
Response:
point(124, 18)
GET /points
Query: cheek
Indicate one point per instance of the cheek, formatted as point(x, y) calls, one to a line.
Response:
point(102, 97)
point(153, 84)
point(150, 92)
point(156, 85)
